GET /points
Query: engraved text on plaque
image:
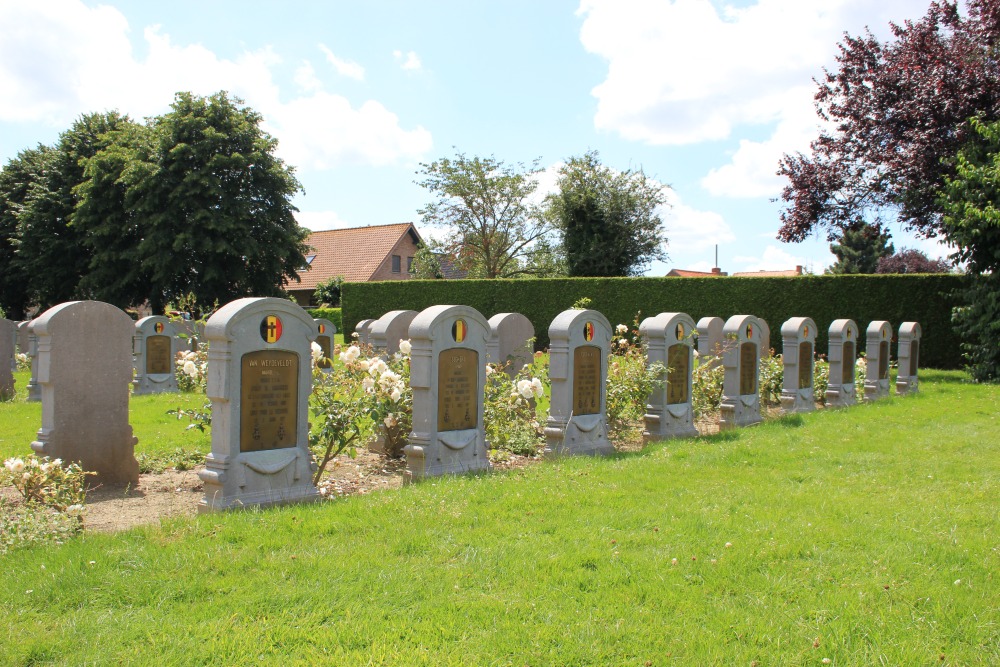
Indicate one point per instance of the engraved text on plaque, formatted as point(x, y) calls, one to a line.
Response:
point(587, 380)
point(458, 389)
point(678, 358)
point(805, 365)
point(847, 371)
point(748, 369)
point(158, 359)
point(269, 384)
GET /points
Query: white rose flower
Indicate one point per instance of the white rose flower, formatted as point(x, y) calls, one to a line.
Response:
point(489, 369)
point(14, 465)
point(537, 387)
point(405, 347)
point(73, 510)
point(364, 364)
point(368, 384)
point(395, 395)
point(524, 388)
point(622, 342)
point(620, 329)
point(190, 369)
point(351, 354)
point(389, 420)
point(317, 352)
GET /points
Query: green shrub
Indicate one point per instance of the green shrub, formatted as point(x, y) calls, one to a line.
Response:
point(332, 314)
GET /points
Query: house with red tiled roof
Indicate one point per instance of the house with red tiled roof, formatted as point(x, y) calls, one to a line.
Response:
point(717, 272)
point(684, 273)
point(359, 254)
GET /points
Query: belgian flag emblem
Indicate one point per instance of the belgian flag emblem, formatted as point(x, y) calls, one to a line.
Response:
point(588, 331)
point(459, 330)
point(322, 328)
point(749, 331)
point(270, 329)
point(158, 327)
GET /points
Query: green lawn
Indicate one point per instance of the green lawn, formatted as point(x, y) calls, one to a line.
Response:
point(866, 536)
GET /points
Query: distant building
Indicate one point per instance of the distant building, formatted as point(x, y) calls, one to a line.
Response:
point(718, 273)
point(684, 273)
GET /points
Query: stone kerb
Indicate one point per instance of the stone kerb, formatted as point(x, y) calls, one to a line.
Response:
point(325, 331)
point(386, 332)
point(710, 340)
point(259, 381)
point(448, 378)
point(798, 346)
point(155, 347)
point(741, 359)
point(363, 331)
point(908, 357)
point(34, 389)
point(669, 413)
point(877, 338)
point(84, 359)
point(842, 353)
point(8, 364)
point(579, 344)
point(510, 341)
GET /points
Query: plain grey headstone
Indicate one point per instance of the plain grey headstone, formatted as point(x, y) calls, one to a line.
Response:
point(237, 478)
point(841, 389)
point(510, 342)
point(362, 331)
point(387, 331)
point(878, 338)
point(145, 330)
point(662, 334)
point(710, 341)
point(433, 449)
point(8, 364)
point(84, 368)
point(566, 431)
point(739, 409)
point(908, 357)
point(798, 334)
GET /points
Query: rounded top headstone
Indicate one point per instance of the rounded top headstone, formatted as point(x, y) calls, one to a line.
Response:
point(590, 323)
point(799, 327)
point(910, 330)
point(272, 312)
point(879, 330)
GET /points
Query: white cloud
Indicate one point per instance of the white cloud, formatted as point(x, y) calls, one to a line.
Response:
point(693, 234)
point(59, 59)
point(410, 61)
point(347, 68)
point(318, 221)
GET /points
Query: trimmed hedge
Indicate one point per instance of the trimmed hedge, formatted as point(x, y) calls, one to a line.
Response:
point(897, 298)
point(333, 314)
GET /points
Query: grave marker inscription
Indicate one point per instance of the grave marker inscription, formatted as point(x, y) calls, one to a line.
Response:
point(842, 355)
point(155, 346)
point(740, 399)
point(669, 341)
point(798, 336)
point(877, 338)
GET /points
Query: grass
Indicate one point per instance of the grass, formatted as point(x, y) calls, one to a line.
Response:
point(865, 536)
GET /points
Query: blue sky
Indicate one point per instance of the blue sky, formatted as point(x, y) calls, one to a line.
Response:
point(703, 95)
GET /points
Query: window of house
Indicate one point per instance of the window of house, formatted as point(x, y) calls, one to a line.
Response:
point(396, 261)
point(309, 261)
point(409, 265)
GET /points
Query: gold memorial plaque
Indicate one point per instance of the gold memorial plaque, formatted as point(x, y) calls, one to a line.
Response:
point(678, 360)
point(914, 354)
point(458, 389)
point(269, 387)
point(587, 380)
point(805, 365)
point(748, 369)
point(158, 359)
point(847, 370)
point(324, 344)
point(883, 360)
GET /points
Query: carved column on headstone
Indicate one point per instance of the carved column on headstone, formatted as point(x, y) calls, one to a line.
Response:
point(579, 344)
point(448, 377)
point(877, 338)
point(669, 341)
point(908, 357)
point(259, 381)
point(842, 355)
point(387, 331)
point(155, 347)
point(798, 347)
point(84, 360)
point(325, 331)
point(510, 342)
point(740, 392)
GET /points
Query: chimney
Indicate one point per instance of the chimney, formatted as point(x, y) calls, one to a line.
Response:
point(798, 269)
point(716, 271)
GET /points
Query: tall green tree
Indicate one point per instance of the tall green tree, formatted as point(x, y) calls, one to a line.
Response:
point(17, 179)
point(214, 204)
point(609, 219)
point(485, 204)
point(859, 250)
point(51, 247)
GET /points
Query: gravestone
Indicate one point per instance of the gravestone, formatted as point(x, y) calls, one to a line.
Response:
point(448, 377)
point(34, 389)
point(579, 344)
point(765, 339)
point(740, 393)
point(22, 336)
point(877, 338)
point(908, 356)
point(710, 341)
point(155, 347)
point(84, 360)
point(8, 364)
point(259, 380)
point(798, 347)
point(669, 341)
point(325, 331)
point(388, 330)
point(362, 331)
point(510, 341)
point(842, 354)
